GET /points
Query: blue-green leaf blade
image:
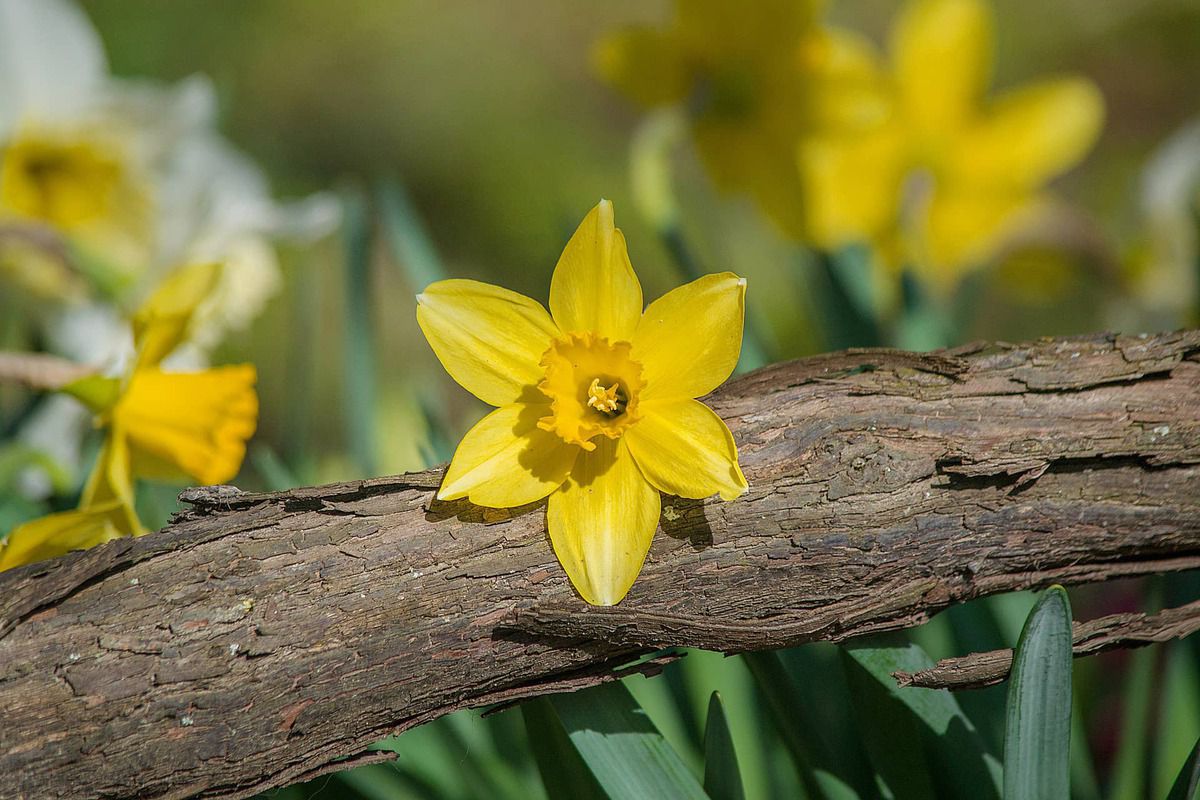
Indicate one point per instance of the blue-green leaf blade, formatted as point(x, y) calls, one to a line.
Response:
point(1037, 734)
point(957, 754)
point(722, 777)
point(621, 745)
point(564, 772)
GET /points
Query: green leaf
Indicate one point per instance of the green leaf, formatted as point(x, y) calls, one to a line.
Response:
point(1037, 734)
point(563, 771)
point(847, 311)
point(938, 729)
point(1178, 715)
point(621, 746)
point(722, 778)
point(97, 392)
point(406, 236)
point(808, 712)
point(1187, 784)
point(358, 347)
point(1128, 778)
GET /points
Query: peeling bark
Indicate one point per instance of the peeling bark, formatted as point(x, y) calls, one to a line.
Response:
point(259, 638)
point(1094, 636)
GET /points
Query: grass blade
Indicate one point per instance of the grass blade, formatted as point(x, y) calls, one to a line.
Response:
point(1187, 784)
point(1037, 734)
point(722, 778)
point(621, 746)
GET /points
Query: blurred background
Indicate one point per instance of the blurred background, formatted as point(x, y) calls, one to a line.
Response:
point(388, 144)
point(503, 136)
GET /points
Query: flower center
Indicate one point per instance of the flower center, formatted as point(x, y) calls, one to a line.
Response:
point(65, 182)
point(610, 401)
point(592, 385)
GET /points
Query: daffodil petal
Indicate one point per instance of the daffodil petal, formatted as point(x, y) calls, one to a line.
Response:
point(853, 184)
point(164, 321)
point(112, 477)
point(688, 341)
point(601, 522)
point(1031, 134)
point(194, 423)
point(720, 28)
point(685, 449)
point(739, 158)
point(57, 534)
point(594, 287)
point(489, 339)
point(644, 63)
point(942, 52)
point(506, 460)
point(963, 228)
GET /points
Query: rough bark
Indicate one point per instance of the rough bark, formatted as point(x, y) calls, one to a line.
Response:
point(258, 638)
point(977, 670)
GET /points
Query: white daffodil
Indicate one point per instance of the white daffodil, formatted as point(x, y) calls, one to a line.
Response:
point(107, 186)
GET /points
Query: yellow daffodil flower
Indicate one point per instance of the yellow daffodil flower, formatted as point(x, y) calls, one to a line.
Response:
point(755, 79)
point(950, 173)
point(71, 182)
point(160, 425)
point(56, 534)
point(595, 400)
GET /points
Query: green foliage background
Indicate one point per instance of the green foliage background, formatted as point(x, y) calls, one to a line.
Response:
point(468, 138)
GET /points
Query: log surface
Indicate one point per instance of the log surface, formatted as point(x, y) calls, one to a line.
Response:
point(259, 638)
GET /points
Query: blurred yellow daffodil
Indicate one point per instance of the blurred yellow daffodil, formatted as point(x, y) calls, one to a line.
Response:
point(78, 182)
point(940, 183)
point(596, 400)
point(160, 425)
point(754, 79)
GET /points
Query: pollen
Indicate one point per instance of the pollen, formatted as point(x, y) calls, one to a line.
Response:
point(592, 385)
point(610, 401)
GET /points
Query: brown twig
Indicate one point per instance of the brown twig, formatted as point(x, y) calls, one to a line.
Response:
point(41, 371)
point(1096, 636)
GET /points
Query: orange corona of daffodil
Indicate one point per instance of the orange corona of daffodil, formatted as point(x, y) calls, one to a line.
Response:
point(949, 174)
point(160, 425)
point(596, 400)
point(754, 79)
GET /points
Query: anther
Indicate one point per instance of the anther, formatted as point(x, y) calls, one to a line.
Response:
point(607, 401)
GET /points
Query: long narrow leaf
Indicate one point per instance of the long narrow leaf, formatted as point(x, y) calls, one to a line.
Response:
point(1178, 715)
point(1037, 736)
point(957, 752)
point(1187, 784)
point(622, 747)
point(831, 766)
point(564, 772)
point(722, 778)
point(358, 356)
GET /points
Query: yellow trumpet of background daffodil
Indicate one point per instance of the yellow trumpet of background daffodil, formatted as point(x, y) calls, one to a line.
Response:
point(754, 79)
point(596, 400)
point(160, 424)
point(940, 183)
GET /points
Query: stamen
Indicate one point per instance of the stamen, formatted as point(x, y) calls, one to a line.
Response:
point(607, 401)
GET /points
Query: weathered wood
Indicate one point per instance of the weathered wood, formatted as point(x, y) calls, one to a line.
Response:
point(260, 637)
point(978, 670)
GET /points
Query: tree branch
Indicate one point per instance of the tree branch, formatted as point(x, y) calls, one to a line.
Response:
point(1095, 636)
point(260, 638)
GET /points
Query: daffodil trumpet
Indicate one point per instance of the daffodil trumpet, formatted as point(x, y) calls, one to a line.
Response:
point(189, 426)
point(595, 400)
